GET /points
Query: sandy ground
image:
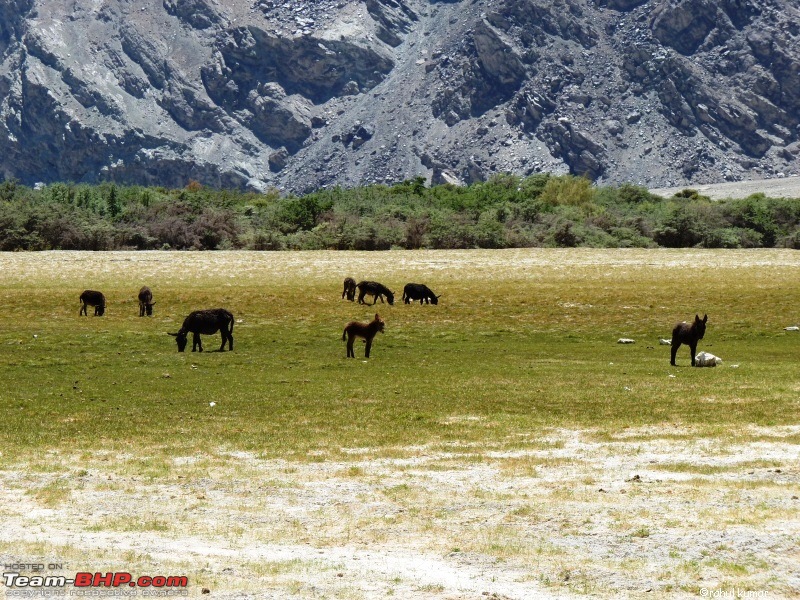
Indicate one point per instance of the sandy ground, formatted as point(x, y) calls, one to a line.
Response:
point(787, 187)
point(652, 511)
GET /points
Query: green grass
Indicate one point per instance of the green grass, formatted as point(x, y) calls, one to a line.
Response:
point(522, 341)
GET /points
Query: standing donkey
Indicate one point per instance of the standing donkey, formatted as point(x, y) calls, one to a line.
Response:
point(349, 290)
point(689, 335)
point(145, 302)
point(93, 298)
point(367, 331)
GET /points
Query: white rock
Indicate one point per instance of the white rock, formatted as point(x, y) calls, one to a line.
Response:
point(706, 359)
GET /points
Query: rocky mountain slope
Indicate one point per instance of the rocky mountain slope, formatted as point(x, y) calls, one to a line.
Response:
point(299, 94)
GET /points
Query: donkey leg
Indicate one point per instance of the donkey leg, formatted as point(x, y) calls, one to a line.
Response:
point(693, 348)
point(350, 351)
point(674, 352)
point(366, 350)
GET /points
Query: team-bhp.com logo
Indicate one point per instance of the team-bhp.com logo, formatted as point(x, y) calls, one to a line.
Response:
point(93, 580)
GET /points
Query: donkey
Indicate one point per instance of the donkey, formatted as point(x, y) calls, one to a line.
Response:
point(205, 322)
point(374, 289)
point(92, 298)
point(145, 302)
point(689, 335)
point(367, 331)
point(349, 290)
point(421, 292)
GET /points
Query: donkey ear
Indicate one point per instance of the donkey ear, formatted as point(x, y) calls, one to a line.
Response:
point(697, 318)
point(377, 318)
point(172, 334)
point(705, 318)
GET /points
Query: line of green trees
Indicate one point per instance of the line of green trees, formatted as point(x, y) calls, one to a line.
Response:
point(506, 211)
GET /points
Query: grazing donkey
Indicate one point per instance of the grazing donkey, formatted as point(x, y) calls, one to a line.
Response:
point(374, 289)
point(205, 322)
point(419, 291)
point(689, 335)
point(93, 298)
point(367, 331)
point(349, 290)
point(145, 302)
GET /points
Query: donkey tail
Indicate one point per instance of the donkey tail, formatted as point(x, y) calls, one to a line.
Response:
point(344, 334)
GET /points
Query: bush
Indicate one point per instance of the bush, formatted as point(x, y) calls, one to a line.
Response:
point(792, 240)
point(754, 212)
point(489, 231)
point(571, 190)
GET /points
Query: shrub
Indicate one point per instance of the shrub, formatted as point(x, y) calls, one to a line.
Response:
point(264, 240)
point(568, 189)
point(216, 228)
point(489, 232)
point(633, 194)
point(792, 240)
point(754, 212)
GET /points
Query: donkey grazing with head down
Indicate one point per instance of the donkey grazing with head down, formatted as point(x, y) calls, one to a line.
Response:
point(689, 335)
point(205, 322)
point(374, 289)
point(145, 302)
point(349, 290)
point(421, 292)
point(367, 331)
point(93, 298)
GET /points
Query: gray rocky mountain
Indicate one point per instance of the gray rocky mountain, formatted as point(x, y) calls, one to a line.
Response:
point(299, 94)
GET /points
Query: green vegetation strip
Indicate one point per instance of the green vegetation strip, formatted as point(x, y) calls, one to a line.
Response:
point(505, 212)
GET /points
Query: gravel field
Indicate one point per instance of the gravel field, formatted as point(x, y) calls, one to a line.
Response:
point(788, 187)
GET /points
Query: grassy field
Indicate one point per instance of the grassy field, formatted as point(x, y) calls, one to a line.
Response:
point(515, 378)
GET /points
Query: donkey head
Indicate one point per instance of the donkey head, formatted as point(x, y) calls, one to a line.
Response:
point(181, 339)
point(700, 326)
point(380, 322)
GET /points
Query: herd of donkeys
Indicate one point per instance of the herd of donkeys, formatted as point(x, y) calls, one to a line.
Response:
point(210, 321)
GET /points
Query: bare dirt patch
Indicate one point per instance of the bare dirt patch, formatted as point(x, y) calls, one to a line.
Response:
point(576, 513)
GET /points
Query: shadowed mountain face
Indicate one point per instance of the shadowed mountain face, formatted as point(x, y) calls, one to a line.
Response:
point(298, 94)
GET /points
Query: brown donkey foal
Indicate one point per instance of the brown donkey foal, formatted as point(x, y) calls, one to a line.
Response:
point(689, 335)
point(367, 331)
